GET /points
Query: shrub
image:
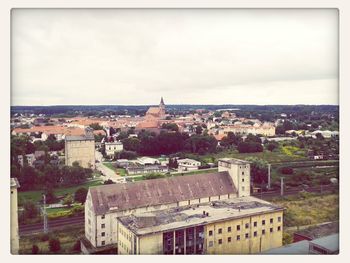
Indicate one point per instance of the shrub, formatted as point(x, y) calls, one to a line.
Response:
point(76, 246)
point(54, 245)
point(44, 237)
point(35, 249)
point(287, 170)
point(80, 195)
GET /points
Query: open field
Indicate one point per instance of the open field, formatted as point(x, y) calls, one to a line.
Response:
point(67, 236)
point(35, 196)
point(309, 209)
point(271, 157)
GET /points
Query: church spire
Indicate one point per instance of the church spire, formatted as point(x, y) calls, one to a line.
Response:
point(162, 101)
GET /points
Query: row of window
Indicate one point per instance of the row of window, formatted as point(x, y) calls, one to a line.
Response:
point(238, 227)
point(238, 237)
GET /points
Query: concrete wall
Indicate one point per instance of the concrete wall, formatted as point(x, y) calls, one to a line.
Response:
point(81, 151)
point(252, 244)
point(14, 222)
point(240, 174)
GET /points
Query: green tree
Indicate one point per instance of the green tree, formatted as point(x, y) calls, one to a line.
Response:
point(54, 245)
point(30, 210)
point(35, 249)
point(80, 195)
point(96, 126)
point(68, 200)
point(258, 170)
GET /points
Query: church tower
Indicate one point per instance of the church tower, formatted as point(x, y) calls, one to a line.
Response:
point(162, 108)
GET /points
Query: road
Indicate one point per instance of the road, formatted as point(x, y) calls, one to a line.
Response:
point(53, 224)
point(108, 173)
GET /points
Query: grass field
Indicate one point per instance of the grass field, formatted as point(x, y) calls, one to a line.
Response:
point(110, 166)
point(271, 157)
point(67, 236)
point(308, 209)
point(35, 196)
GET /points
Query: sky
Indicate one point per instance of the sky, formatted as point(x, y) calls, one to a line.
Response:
point(188, 56)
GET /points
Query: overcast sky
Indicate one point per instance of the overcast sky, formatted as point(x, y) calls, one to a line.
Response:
point(188, 56)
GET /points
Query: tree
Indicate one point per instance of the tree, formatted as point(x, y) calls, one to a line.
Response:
point(54, 245)
point(130, 155)
point(271, 146)
point(287, 170)
point(131, 144)
point(96, 126)
point(80, 195)
point(109, 181)
point(35, 249)
point(230, 140)
point(76, 247)
point(258, 170)
point(249, 147)
point(30, 210)
point(68, 200)
point(199, 129)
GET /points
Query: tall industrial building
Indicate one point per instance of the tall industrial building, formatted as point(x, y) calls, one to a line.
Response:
point(195, 214)
point(14, 217)
point(80, 149)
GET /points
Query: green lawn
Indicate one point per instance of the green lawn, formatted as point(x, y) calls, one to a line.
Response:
point(271, 157)
point(36, 195)
point(110, 166)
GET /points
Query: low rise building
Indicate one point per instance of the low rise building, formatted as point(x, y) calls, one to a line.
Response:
point(188, 165)
point(112, 147)
point(30, 159)
point(146, 169)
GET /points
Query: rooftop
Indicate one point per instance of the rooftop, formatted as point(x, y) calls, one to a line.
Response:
point(199, 214)
point(320, 230)
point(233, 161)
point(14, 183)
point(119, 197)
point(297, 248)
point(330, 242)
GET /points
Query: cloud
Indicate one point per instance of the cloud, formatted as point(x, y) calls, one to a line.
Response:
point(134, 56)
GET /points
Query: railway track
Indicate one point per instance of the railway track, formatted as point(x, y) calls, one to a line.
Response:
point(54, 224)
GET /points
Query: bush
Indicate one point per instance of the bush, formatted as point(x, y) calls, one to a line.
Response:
point(287, 238)
point(76, 246)
point(287, 170)
point(54, 245)
point(80, 195)
point(44, 237)
point(35, 249)
point(249, 147)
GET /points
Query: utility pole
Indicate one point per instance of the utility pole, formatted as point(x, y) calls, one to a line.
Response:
point(269, 176)
point(282, 186)
point(46, 229)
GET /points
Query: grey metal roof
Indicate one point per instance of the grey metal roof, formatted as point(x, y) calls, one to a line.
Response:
point(234, 161)
point(297, 248)
point(330, 242)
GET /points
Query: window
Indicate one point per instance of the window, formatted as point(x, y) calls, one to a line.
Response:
point(279, 228)
point(255, 233)
point(229, 229)
point(242, 173)
point(211, 243)
point(271, 230)
point(103, 217)
point(210, 232)
point(220, 241)
point(247, 225)
point(255, 224)
point(246, 235)
point(263, 232)
point(238, 227)
point(238, 237)
point(103, 225)
point(279, 219)
point(263, 222)
point(243, 180)
point(271, 220)
point(103, 243)
point(220, 231)
point(229, 239)
point(103, 234)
